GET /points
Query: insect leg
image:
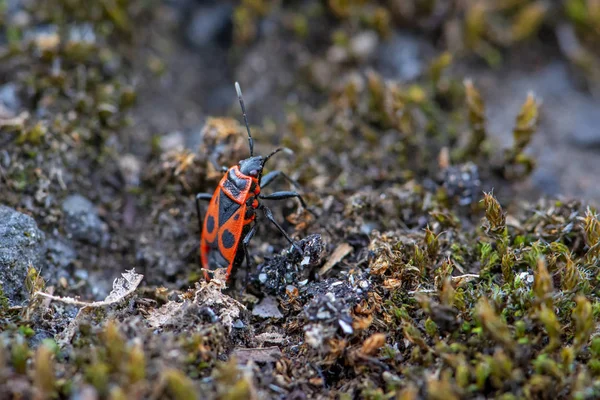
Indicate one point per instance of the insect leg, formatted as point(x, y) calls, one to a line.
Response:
point(287, 195)
point(205, 197)
point(245, 242)
point(213, 160)
point(271, 176)
point(270, 217)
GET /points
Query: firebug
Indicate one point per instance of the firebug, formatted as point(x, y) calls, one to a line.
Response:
point(230, 220)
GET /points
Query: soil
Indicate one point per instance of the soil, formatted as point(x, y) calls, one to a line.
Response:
point(450, 245)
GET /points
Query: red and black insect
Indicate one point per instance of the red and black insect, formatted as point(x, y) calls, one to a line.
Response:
point(231, 216)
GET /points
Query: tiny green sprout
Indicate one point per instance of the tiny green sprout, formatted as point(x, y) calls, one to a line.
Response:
point(591, 227)
point(489, 258)
point(495, 219)
point(179, 386)
point(463, 375)
point(508, 265)
point(97, 375)
point(528, 20)
point(52, 345)
point(432, 243)
point(4, 303)
point(567, 355)
point(401, 314)
point(595, 346)
point(542, 283)
point(377, 99)
point(584, 321)
point(20, 354)
point(439, 65)
point(494, 326)
point(413, 335)
point(380, 21)
point(442, 387)
point(476, 109)
point(136, 366)
point(520, 328)
point(520, 240)
point(475, 23)
point(419, 259)
point(502, 368)
point(466, 327)
point(26, 331)
point(430, 327)
point(389, 352)
point(570, 275)
point(444, 271)
point(525, 127)
point(544, 364)
point(458, 348)
point(115, 345)
point(44, 379)
point(552, 326)
point(34, 281)
point(231, 382)
point(594, 366)
point(526, 123)
point(482, 372)
point(536, 251)
point(459, 301)
point(33, 136)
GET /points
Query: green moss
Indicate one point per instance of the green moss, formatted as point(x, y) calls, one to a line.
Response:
point(4, 303)
point(179, 386)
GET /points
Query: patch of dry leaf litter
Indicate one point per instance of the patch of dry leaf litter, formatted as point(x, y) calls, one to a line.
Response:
point(210, 299)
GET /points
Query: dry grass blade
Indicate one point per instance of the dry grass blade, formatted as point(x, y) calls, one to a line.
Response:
point(122, 287)
point(338, 255)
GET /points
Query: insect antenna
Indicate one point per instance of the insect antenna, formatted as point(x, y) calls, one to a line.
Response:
point(275, 152)
point(250, 141)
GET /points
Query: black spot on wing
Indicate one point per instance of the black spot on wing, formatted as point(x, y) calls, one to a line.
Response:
point(227, 208)
point(210, 224)
point(228, 239)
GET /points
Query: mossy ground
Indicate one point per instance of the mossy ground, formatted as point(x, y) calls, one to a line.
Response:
point(446, 283)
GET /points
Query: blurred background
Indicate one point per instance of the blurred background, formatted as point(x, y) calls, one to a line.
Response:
point(293, 54)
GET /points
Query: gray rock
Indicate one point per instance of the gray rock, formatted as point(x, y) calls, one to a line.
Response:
point(59, 256)
point(267, 308)
point(21, 244)
point(60, 253)
point(82, 221)
point(10, 102)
